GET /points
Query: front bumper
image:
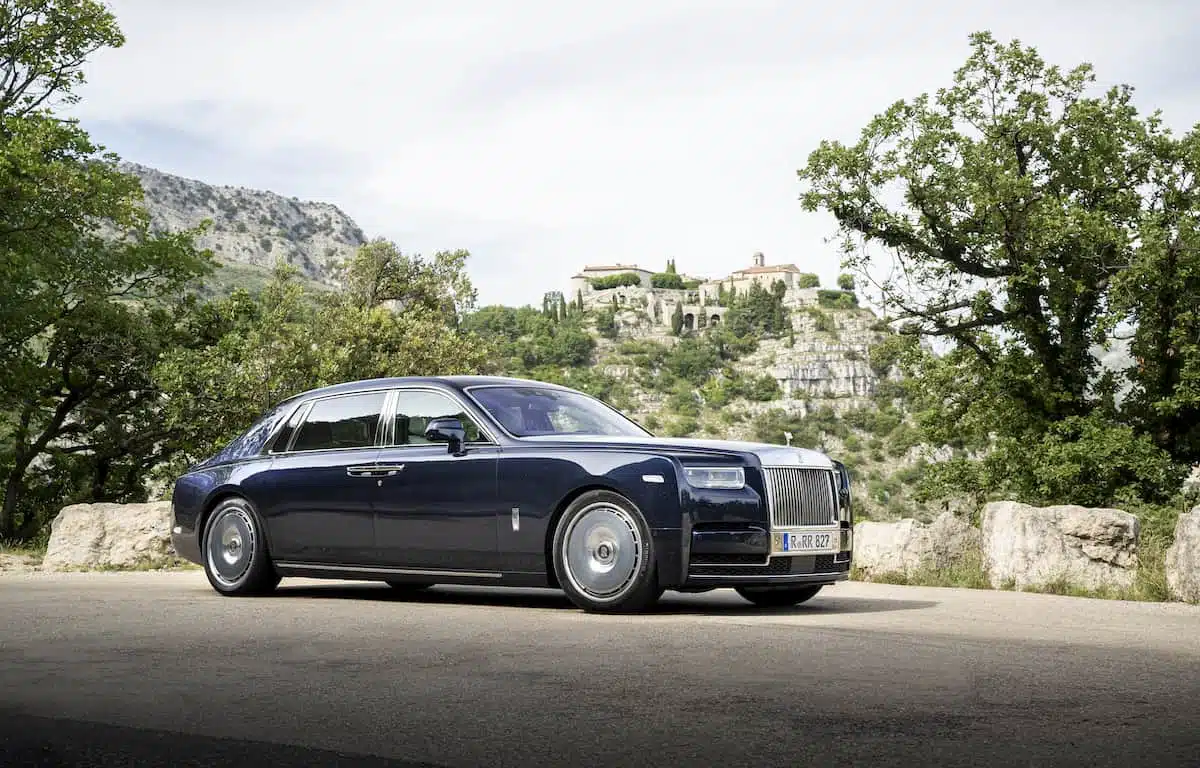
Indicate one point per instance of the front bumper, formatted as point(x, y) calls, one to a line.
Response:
point(758, 557)
point(788, 569)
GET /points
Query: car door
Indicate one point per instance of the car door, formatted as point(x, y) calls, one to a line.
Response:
point(320, 486)
point(433, 509)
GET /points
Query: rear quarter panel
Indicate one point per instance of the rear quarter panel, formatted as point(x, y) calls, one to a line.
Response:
point(196, 492)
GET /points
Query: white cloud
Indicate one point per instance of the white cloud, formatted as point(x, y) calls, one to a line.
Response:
point(545, 135)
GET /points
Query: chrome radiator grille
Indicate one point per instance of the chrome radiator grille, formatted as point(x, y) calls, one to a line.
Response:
point(800, 497)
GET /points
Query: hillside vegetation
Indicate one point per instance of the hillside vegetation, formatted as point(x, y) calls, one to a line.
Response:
point(141, 329)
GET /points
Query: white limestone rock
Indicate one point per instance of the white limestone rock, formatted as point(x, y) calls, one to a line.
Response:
point(1183, 558)
point(1030, 546)
point(907, 545)
point(92, 536)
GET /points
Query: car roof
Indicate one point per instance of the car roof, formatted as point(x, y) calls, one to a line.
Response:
point(455, 382)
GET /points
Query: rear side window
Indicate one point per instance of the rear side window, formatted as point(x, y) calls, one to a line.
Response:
point(285, 435)
point(347, 421)
point(251, 441)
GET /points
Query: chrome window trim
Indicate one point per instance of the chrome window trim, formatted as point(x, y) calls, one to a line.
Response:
point(269, 443)
point(553, 387)
point(452, 396)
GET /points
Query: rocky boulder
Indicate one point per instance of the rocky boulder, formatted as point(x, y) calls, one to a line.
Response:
point(908, 544)
point(1032, 546)
point(92, 536)
point(1183, 558)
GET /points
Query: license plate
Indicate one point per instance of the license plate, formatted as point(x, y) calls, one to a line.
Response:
point(807, 542)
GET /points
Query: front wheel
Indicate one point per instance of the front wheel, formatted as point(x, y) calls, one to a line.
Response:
point(769, 597)
point(604, 556)
point(236, 560)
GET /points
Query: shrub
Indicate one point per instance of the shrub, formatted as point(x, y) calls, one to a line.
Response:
point(667, 280)
point(830, 299)
point(622, 280)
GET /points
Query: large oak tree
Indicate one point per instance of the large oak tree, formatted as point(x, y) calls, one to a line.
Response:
point(1021, 215)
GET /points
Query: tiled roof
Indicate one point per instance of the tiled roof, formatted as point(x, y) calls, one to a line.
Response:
point(610, 267)
point(767, 270)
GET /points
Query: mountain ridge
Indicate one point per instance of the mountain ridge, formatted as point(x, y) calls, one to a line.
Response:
point(251, 228)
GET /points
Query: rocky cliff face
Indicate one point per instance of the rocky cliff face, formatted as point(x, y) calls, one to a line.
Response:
point(828, 358)
point(252, 228)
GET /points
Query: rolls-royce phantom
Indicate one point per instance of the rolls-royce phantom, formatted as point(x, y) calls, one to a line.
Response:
point(420, 481)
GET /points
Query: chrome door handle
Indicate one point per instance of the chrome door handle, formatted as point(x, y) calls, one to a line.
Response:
point(361, 471)
point(389, 469)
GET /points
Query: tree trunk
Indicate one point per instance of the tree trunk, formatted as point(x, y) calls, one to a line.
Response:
point(12, 495)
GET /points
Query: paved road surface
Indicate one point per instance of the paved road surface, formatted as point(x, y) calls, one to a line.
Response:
point(153, 669)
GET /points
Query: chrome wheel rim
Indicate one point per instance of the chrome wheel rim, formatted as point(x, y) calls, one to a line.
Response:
point(230, 546)
point(602, 552)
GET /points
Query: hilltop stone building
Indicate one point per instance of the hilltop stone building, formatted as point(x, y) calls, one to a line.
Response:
point(582, 281)
point(759, 272)
point(699, 298)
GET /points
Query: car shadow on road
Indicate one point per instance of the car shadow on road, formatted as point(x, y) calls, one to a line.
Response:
point(818, 606)
point(671, 604)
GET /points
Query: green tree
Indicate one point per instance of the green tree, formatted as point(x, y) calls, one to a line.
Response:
point(677, 319)
point(846, 282)
point(759, 312)
point(667, 280)
point(1021, 204)
point(85, 287)
point(1159, 296)
point(379, 273)
point(524, 340)
point(396, 317)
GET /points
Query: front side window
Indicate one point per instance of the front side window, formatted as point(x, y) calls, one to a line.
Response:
point(537, 411)
point(348, 421)
point(416, 408)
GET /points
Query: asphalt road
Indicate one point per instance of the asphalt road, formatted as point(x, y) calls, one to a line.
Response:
point(155, 669)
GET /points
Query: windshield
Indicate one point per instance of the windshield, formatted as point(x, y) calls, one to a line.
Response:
point(533, 411)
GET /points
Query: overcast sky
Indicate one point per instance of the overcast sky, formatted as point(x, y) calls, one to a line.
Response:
point(545, 135)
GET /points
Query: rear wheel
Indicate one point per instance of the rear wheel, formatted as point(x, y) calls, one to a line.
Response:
point(604, 556)
point(236, 560)
point(768, 597)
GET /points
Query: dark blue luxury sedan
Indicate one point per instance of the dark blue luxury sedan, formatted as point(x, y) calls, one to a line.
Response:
point(483, 480)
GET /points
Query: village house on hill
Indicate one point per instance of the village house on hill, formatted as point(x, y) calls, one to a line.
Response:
point(760, 273)
point(699, 299)
point(583, 280)
point(705, 289)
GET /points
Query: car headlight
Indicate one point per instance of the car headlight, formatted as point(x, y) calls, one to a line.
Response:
point(725, 478)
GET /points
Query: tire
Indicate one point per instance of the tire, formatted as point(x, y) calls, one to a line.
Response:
point(410, 586)
point(770, 597)
point(236, 560)
point(604, 555)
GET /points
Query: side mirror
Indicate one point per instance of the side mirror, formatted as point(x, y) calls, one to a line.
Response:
point(449, 431)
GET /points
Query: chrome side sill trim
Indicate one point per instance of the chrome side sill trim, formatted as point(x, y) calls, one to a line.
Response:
point(388, 571)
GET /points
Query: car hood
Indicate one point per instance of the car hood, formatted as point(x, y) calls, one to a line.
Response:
point(767, 453)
